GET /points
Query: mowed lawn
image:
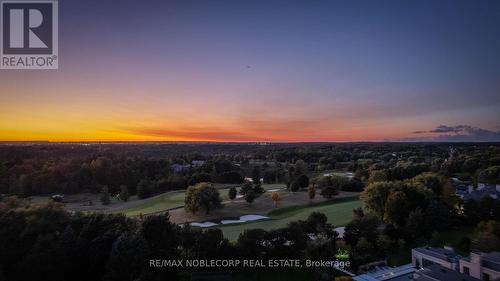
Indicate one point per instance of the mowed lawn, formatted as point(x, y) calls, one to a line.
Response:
point(339, 213)
point(162, 202)
point(170, 200)
point(157, 203)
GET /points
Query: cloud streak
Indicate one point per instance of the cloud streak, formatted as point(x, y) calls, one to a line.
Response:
point(465, 133)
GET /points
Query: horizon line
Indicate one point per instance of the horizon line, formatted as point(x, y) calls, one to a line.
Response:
point(231, 142)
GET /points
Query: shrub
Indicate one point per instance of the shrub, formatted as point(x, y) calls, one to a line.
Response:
point(250, 197)
point(232, 193)
point(124, 194)
point(275, 197)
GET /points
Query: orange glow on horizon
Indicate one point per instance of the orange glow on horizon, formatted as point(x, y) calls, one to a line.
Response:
point(46, 116)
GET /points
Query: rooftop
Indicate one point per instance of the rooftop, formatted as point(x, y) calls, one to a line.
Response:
point(436, 272)
point(440, 253)
point(387, 273)
point(491, 261)
point(490, 191)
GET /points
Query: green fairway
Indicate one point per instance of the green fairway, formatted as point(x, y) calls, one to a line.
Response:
point(339, 212)
point(158, 203)
point(162, 202)
point(173, 199)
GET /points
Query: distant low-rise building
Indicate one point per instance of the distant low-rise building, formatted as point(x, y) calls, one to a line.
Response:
point(426, 256)
point(437, 272)
point(179, 168)
point(466, 190)
point(484, 266)
point(492, 191)
point(400, 273)
point(478, 266)
point(439, 264)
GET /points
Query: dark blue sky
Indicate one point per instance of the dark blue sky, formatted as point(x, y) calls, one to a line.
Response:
point(351, 70)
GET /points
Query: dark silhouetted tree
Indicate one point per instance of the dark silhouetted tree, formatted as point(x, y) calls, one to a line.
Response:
point(124, 194)
point(250, 197)
point(232, 193)
point(105, 200)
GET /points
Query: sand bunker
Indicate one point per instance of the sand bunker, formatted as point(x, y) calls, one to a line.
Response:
point(244, 218)
point(230, 221)
point(340, 231)
point(252, 217)
point(203, 224)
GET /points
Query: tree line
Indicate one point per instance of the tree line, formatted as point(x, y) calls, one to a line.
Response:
point(49, 243)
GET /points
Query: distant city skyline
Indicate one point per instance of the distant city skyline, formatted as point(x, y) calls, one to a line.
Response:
point(270, 71)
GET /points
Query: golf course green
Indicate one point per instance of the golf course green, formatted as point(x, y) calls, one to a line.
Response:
point(338, 211)
point(157, 203)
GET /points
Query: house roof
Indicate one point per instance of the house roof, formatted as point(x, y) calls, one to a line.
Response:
point(387, 273)
point(436, 272)
point(485, 192)
point(440, 253)
point(491, 261)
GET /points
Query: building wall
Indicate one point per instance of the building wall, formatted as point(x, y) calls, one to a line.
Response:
point(475, 268)
point(494, 275)
point(419, 259)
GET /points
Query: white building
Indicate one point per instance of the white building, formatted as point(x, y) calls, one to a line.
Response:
point(400, 273)
point(484, 266)
point(436, 272)
point(439, 264)
point(481, 266)
point(426, 256)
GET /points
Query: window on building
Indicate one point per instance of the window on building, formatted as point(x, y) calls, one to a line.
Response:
point(427, 263)
point(486, 277)
point(465, 270)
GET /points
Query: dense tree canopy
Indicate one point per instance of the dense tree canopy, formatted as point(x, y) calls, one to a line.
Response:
point(409, 200)
point(202, 196)
point(48, 243)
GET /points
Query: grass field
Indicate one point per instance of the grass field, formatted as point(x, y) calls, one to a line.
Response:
point(339, 213)
point(158, 203)
point(173, 199)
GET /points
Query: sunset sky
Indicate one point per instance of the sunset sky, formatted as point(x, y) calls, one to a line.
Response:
point(263, 71)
